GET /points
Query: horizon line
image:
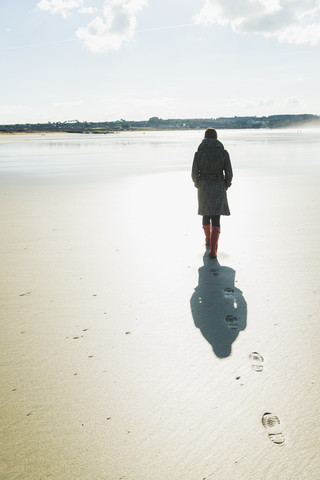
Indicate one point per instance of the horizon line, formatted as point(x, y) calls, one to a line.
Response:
point(166, 119)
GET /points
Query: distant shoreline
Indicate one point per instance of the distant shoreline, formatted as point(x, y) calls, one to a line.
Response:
point(66, 132)
point(62, 132)
point(39, 132)
point(156, 123)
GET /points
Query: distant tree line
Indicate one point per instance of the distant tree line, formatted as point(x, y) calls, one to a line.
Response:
point(156, 123)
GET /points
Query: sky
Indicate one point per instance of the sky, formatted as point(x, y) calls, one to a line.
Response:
point(104, 60)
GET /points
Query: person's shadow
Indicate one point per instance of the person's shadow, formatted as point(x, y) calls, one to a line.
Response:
point(218, 308)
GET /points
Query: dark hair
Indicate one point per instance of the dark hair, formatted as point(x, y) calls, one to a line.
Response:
point(210, 133)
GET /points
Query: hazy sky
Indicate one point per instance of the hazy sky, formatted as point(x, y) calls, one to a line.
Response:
point(101, 60)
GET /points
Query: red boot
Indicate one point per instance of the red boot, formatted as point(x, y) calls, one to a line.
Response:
point(207, 232)
point(214, 242)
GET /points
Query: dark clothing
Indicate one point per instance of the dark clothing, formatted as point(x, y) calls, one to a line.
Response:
point(212, 176)
point(215, 220)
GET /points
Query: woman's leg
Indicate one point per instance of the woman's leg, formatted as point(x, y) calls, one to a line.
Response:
point(215, 232)
point(206, 220)
point(215, 220)
point(207, 229)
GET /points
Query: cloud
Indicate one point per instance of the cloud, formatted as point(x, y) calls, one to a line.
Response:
point(115, 27)
point(269, 102)
point(60, 105)
point(10, 114)
point(259, 106)
point(88, 10)
point(132, 106)
point(9, 109)
point(291, 21)
point(63, 7)
point(293, 102)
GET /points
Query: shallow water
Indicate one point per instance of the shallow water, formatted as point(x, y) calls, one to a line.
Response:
point(151, 152)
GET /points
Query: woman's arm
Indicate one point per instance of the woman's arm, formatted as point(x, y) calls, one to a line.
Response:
point(228, 174)
point(195, 171)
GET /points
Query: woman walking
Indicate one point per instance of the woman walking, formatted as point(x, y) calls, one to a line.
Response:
point(212, 176)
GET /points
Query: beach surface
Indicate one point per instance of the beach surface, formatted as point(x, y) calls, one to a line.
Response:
point(128, 354)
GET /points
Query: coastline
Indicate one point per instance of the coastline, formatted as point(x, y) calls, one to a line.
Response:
point(297, 121)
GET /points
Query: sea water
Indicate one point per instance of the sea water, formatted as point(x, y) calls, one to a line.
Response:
point(128, 153)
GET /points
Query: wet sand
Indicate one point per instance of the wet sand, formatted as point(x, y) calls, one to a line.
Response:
point(127, 354)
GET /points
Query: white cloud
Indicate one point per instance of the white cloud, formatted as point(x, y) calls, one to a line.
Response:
point(291, 21)
point(62, 105)
point(88, 10)
point(116, 27)
point(137, 107)
point(260, 106)
point(293, 102)
point(9, 109)
point(269, 102)
point(63, 7)
point(300, 35)
point(13, 113)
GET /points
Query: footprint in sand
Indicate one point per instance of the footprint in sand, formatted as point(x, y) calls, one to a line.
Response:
point(232, 322)
point(271, 422)
point(257, 361)
point(229, 292)
point(215, 272)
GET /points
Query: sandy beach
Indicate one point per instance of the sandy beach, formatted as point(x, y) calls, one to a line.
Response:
point(128, 354)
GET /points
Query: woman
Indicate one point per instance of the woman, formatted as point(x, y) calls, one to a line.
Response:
point(212, 176)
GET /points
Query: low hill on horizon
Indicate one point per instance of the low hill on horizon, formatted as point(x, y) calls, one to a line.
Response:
point(156, 123)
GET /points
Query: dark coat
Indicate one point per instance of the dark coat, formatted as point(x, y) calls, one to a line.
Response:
point(212, 175)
